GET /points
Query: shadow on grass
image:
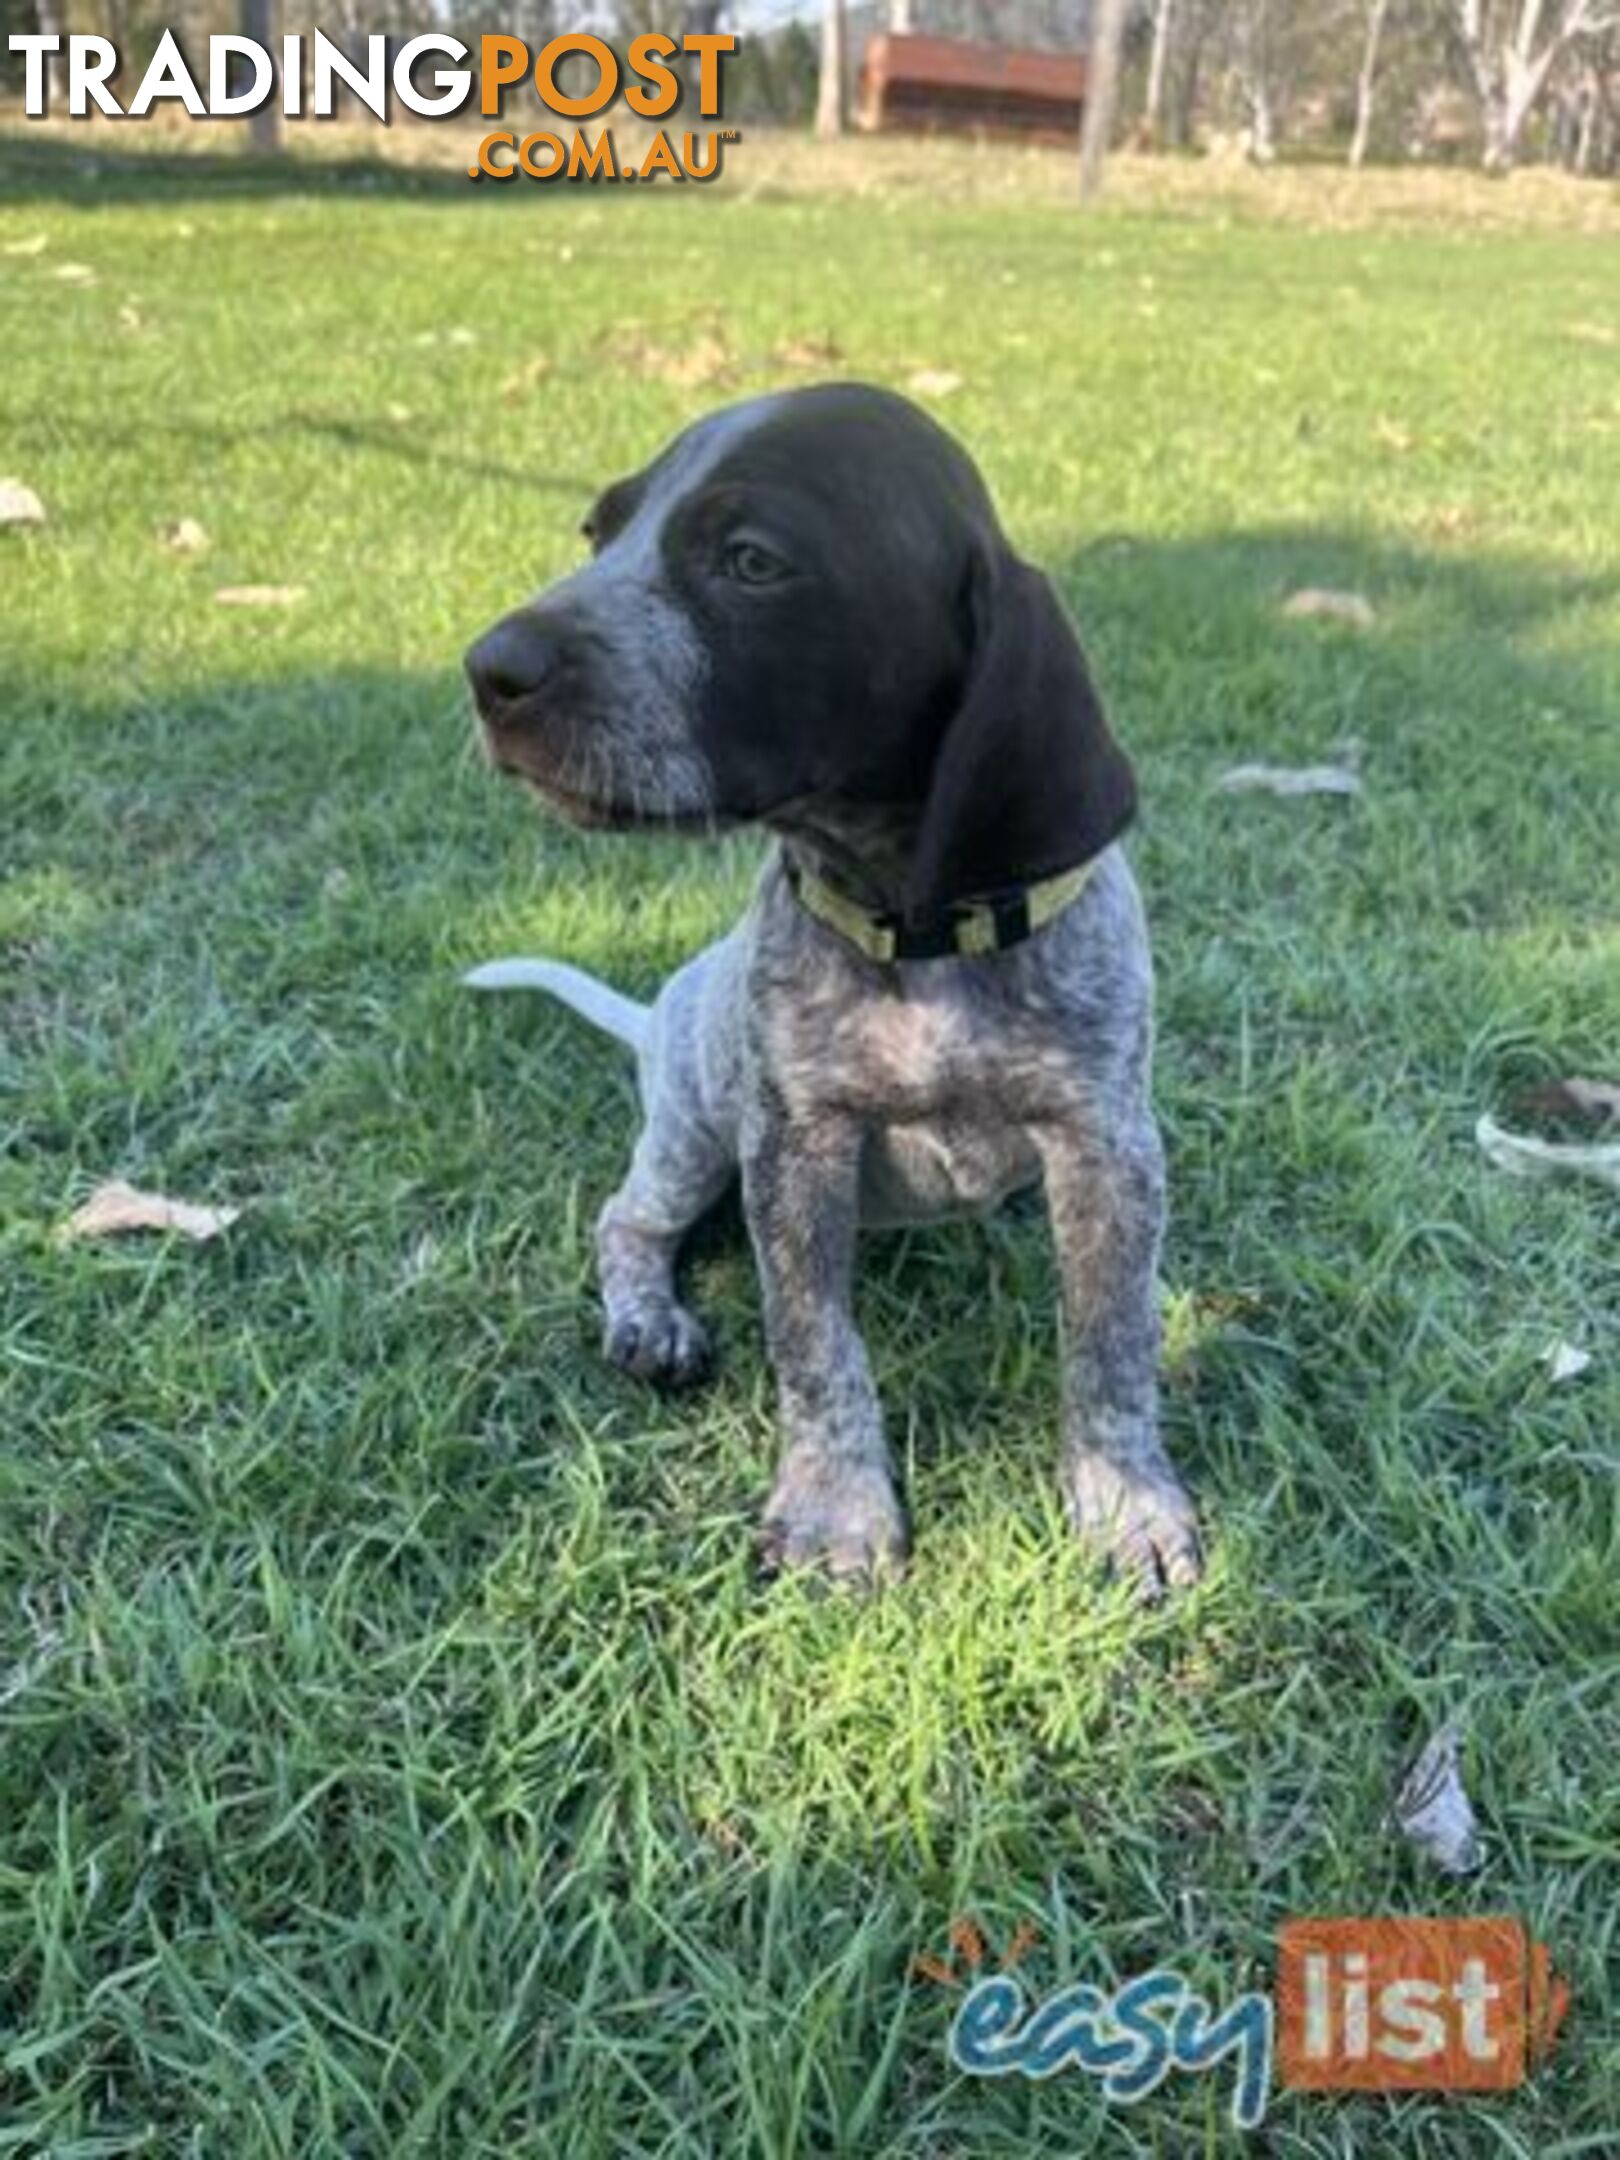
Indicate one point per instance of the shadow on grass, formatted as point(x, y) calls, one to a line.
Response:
point(410, 442)
point(46, 167)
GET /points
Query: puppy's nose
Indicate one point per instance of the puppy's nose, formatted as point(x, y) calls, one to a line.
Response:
point(513, 661)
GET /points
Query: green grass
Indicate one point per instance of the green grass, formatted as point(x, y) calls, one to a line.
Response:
point(399, 1754)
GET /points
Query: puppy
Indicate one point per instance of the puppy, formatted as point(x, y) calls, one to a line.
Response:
point(804, 614)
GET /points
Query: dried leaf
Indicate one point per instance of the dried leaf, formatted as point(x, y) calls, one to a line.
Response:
point(707, 359)
point(934, 382)
point(1433, 1812)
point(808, 352)
point(130, 317)
point(35, 244)
point(1290, 780)
point(183, 536)
point(74, 273)
point(260, 595)
point(1592, 333)
point(523, 379)
point(116, 1207)
point(1564, 1361)
point(401, 415)
point(1595, 1102)
point(1447, 521)
point(1320, 601)
point(1392, 435)
point(19, 505)
point(1523, 1156)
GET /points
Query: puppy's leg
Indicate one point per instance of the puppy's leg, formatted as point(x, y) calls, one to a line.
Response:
point(834, 1503)
point(679, 1170)
point(1107, 1206)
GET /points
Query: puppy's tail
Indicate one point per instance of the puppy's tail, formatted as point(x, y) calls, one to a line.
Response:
point(615, 1015)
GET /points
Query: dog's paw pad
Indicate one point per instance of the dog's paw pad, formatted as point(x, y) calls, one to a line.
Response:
point(664, 1345)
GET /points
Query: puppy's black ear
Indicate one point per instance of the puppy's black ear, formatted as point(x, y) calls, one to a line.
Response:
point(1028, 780)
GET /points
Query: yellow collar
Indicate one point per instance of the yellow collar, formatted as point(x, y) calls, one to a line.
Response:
point(969, 927)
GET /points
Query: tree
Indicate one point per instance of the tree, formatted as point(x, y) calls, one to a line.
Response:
point(1509, 49)
point(49, 14)
point(257, 19)
point(1102, 82)
point(1153, 103)
point(1366, 81)
point(1252, 60)
point(832, 92)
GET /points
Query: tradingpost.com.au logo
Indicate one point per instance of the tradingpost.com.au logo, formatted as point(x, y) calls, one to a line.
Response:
point(573, 77)
point(1361, 2005)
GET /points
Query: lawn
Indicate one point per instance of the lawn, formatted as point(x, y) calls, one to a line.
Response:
point(399, 1752)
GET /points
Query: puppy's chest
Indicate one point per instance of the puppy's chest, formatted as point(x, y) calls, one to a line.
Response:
point(943, 1055)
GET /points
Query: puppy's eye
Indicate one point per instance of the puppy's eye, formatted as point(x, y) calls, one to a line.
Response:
point(751, 564)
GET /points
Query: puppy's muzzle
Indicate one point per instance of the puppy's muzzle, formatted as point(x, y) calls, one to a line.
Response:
point(517, 667)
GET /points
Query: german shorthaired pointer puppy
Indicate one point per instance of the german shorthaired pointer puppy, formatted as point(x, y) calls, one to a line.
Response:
point(804, 614)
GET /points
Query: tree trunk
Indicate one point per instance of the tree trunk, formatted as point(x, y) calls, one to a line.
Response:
point(832, 91)
point(49, 16)
point(257, 20)
point(699, 18)
point(1153, 108)
point(1587, 134)
point(901, 23)
point(1254, 75)
point(1189, 81)
point(1102, 83)
point(1367, 81)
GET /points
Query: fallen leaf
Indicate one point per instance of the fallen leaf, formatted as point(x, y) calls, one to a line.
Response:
point(337, 883)
point(1448, 521)
point(1592, 333)
point(399, 414)
point(183, 536)
point(130, 317)
point(461, 335)
point(707, 359)
point(808, 352)
point(1392, 435)
point(260, 595)
point(115, 1207)
point(1564, 1361)
point(934, 382)
point(1522, 1156)
point(35, 244)
point(74, 273)
point(1290, 780)
point(1433, 1812)
point(1596, 1102)
point(523, 379)
point(19, 505)
point(1319, 600)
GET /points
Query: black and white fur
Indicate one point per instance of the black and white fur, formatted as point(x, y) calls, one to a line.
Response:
point(804, 614)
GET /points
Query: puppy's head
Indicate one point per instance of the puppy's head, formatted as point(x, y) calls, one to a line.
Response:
point(806, 602)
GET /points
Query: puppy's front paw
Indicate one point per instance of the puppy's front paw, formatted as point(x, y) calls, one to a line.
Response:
point(1138, 1514)
point(842, 1518)
point(659, 1342)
